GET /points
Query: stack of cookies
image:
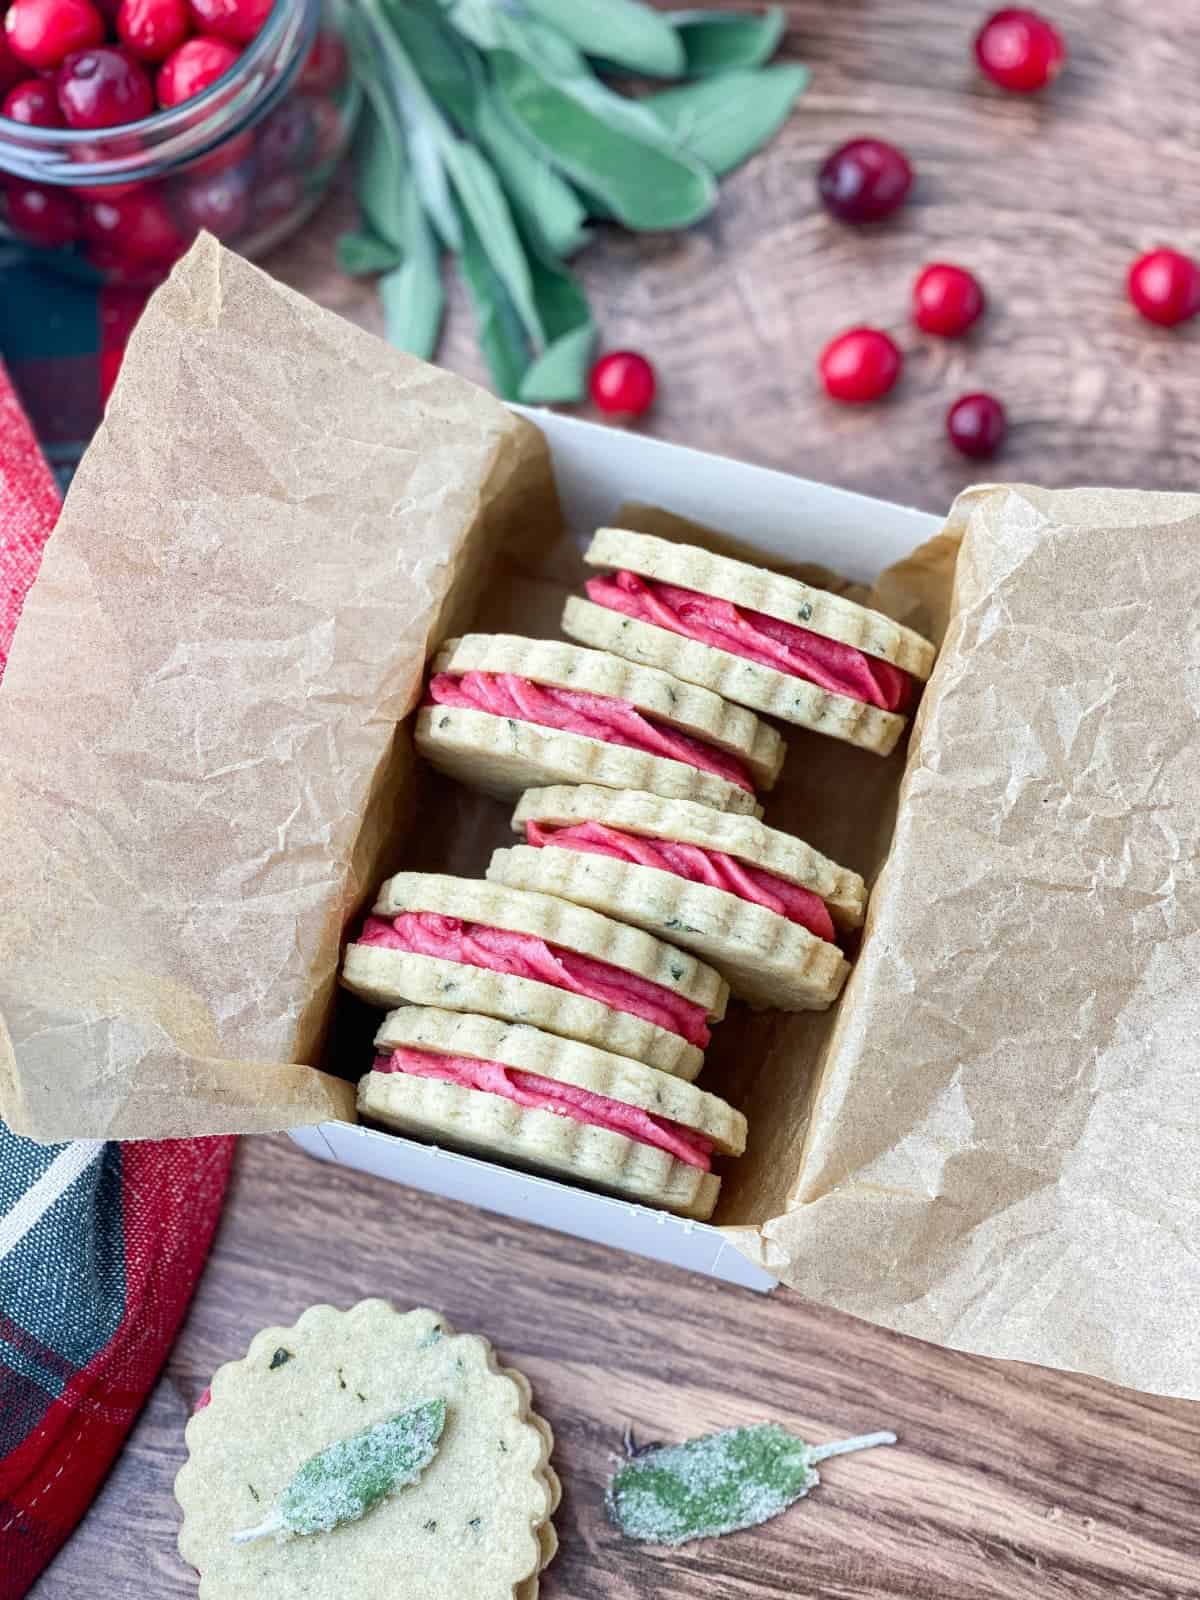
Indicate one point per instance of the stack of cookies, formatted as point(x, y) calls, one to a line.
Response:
point(557, 1014)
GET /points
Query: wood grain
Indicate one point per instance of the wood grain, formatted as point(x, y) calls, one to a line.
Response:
point(1011, 1483)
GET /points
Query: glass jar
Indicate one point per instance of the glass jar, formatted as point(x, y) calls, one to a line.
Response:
point(248, 159)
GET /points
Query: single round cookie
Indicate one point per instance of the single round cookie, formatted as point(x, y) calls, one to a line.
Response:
point(477, 1521)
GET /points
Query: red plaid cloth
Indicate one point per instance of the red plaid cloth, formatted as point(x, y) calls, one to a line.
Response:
point(100, 1244)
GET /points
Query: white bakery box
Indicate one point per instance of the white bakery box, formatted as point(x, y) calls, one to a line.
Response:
point(597, 469)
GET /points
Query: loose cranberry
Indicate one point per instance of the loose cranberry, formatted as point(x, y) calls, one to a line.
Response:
point(103, 88)
point(153, 28)
point(33, 102)
point(865, 180)
point(976, 424)
point(137, 227)
point(43, 216)
point(861, 364)
point(623, 383)
point(286, 137)
point(219, 203)
point(12, 71)
point(946, 300)
point(190, 70)
point(1020, 50)
point(235, 20)
point(326, 64)
point(1165, 287)
point(42, 32)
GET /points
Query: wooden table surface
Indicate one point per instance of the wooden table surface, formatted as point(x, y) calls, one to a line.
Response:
point(1010, 1482)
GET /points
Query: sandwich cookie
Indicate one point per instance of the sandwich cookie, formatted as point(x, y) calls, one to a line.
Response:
point(765, 641)
point(466, 945)
point(761, 906)
point(501, 1089)
point(367, 1452)
point(502, 713)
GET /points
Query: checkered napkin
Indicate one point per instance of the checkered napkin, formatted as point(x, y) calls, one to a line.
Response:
point(100, 1244)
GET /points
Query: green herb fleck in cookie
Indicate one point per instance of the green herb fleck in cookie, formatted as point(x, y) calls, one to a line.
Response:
point(280, 1357)
point(716, 1484)
point(345, 1481)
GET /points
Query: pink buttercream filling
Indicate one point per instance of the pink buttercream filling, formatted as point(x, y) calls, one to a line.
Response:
point(536, 1093)
point(828, 663)
point(523, 955)
point(505, 694)
point(695, 864)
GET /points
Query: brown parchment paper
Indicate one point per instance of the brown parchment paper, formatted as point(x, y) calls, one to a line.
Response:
point(201, 778)
point(989, 1142)
point(1000, 1153)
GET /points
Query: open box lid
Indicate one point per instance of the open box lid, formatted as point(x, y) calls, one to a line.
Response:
point(201, 781)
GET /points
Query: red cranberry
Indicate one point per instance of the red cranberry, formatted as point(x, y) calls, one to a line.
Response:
point(190, 70)
point(326, 64)
point(277, 199)
point(103, 88)
point(153, 28)
point(137, 227)
point(1020, 50)
point(235, 20)
point(220, 203)
point(285, 138)
point(33, 102)
point(228, 154)
point(623, 383)
point(865, 180)
point(42, 32)
point(946, 300)
point(976, 424)
point(43, 216)
point(12, 71)
point(327, 120)
point(861, 364)
point(1165, 287)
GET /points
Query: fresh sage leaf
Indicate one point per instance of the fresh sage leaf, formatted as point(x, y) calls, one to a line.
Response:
point(382, 166)
point(558, 376)
point(498, 325)
point(546, 205)
point(361, 254)
point(450, 71)
point(608, 146)
point(718, 41)
point(411, 294)
point(346, 1480)
point(737, 1478)
point(492, 27)
point(426, 131)
point(622, 31)
point(482, 200)
point(722, 120)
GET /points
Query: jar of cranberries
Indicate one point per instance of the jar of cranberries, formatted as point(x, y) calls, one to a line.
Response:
point(126, 126)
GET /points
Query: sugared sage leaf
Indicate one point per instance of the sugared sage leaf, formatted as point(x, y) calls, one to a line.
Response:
point(718, 41)
point(722, 120)
point(716, 1484)
point(347, 1479)
point(621, 31)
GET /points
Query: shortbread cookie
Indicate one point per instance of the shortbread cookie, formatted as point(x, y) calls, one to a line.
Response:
point(467, 945)
point(765, 641)
point(500, 1089)
point(503, 712)
point(761, 906)
point(476, 1520)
